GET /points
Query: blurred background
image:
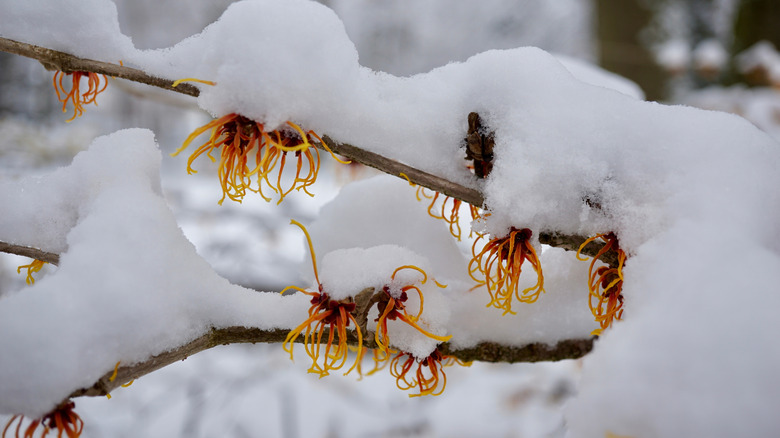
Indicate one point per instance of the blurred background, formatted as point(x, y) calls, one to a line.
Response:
point(714, 54)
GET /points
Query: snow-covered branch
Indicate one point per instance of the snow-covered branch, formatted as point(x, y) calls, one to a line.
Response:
point(485, 351)
point(56, 60)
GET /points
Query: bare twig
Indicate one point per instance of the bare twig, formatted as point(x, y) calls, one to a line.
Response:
point(54, 60)
point(33, 253)
point(419, 177)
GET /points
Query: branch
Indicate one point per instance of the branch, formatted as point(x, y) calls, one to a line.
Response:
point(33, 253)
point(486, 351)
point(54, 60)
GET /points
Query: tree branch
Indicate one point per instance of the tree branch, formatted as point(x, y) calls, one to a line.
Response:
point(486, 351)
point(33, 253)
point(54, 60)
point(364, 301)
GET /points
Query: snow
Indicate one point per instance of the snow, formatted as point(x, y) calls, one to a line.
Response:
point(590, 74)
point(706, 341)
point(710, 54)
point(760, 56)
point(346, 272)
point(384, 210)
point(88, 29)
point(674, 55)
point(116, 296)
point(691, 194)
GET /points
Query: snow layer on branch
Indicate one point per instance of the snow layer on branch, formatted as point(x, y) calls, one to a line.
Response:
point(384, 211)
point(85, 28)
point(346, 272)
point(260, 53)
point(128, 286)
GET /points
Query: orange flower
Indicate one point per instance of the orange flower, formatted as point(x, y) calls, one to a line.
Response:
point(324, 313)
point(605, 284)
point(392, 307)
point(63, 419)
point(501, 262)
point(74, 95)
point(33, 267)
point(452, 218)
point(248, 150)
point(428, 377)
point(335, 316)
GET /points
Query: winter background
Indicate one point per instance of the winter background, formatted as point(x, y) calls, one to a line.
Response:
point(256, 390)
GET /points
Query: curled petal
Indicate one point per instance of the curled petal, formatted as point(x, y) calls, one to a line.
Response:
point(498, 267)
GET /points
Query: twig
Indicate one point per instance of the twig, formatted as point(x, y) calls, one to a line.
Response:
point(54, 60)
point(33, 253)
point(419, 177)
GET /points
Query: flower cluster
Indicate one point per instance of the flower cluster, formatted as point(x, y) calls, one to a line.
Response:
point(331, 316)
point(74, 95)
point(250, 156)
point(328, 315)
point(428, 376)
point(63, 419)
point(605, 283)
point(391, 306)
point(499, 265)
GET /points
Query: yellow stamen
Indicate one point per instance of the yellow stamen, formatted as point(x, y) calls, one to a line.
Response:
point(201, 81)
point(451, 218)
point(425, 276)
point(311, 247)
point(407, 179)
point(33, 267)
point(113, 376)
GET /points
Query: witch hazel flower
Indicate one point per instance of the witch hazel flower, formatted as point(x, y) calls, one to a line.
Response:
point(325, 315)
point(248, 150)
point(64, 420)
point(605, 283)
point(498, 267)
point(78, 99)
point(391, 305)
